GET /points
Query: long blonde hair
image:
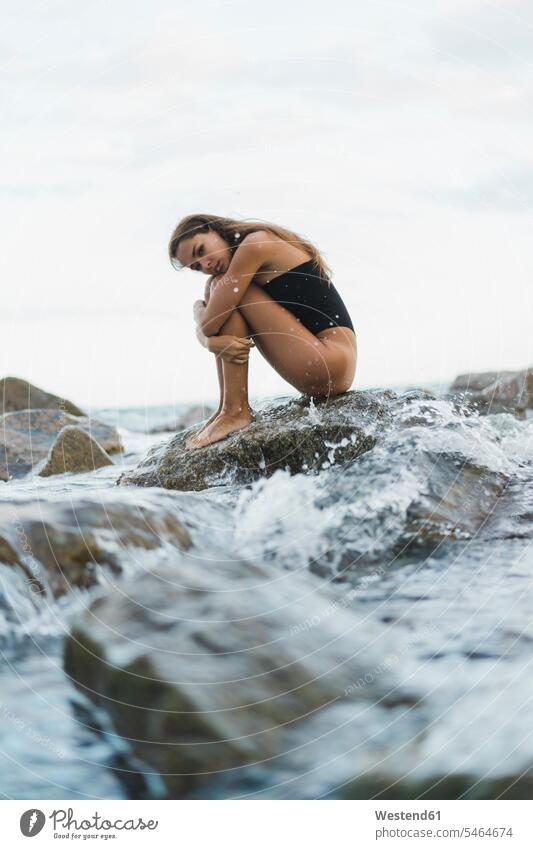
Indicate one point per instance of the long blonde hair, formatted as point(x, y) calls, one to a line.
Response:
point(233, 231)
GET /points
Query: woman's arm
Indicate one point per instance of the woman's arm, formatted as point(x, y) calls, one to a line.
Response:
point(231, 286)
point(199, 307)
point(229, 348)
point(198, 310)
point(207, 290)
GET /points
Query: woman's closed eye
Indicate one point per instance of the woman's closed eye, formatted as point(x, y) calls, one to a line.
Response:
point(197, 252)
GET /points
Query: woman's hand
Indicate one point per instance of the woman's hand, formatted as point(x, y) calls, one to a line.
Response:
point(197, 309)
point(232, 349)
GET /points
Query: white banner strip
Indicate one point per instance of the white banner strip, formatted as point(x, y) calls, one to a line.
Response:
point(268, 824)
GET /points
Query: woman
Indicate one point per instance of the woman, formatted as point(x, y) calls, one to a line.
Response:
point(268, 287)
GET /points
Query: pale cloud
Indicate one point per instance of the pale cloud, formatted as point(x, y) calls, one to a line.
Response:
point(508, 191)
point(391, 135)
point(493, 37)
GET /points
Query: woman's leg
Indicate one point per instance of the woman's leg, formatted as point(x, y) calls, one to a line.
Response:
point(220, 376)
point(315, 365)
point(235, 412)
point(215, 413)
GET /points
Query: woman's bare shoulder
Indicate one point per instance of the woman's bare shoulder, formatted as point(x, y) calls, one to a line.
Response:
point(276, 253)
point(258, 237)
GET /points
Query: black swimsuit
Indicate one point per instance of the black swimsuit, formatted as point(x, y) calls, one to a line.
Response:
point(311, 298)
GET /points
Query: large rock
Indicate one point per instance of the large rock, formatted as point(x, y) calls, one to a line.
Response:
point(27, 436)
point(456, 501)
point(192, 416)
point(386, 509)
point(74, 451)
point(60, 543)
point(18, 394)
point(495, 392)
point(515, 390)
point(476, 381)
point(297, 435)
point(209, 666)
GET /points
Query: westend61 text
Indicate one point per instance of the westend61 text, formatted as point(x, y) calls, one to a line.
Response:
point(407, 815)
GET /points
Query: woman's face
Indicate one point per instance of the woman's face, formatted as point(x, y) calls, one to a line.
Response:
point(207, 252)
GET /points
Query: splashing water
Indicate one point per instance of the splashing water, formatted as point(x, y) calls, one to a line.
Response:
point(461, 602)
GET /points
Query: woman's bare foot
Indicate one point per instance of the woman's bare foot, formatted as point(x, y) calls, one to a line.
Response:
point(192, 437)
point(222, 426)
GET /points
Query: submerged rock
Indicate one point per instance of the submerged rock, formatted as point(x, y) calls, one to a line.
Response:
point(192, 416)
point(27, 436)
point(298, 435)
point(210, 666)
point(74, 451)
point(61, 543)
point(18, 394)
point(383, 515)
point(456, 502)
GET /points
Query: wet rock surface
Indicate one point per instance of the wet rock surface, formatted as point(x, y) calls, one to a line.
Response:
point(210, 667)
point(26, 437)
point(18, 394)
point(477, 381)
point(297, 434)
point(496, 392)
point(514, 390)
point(423, 483)
point(400, 668)
point(62, 543)
point(74, 451)
point(459, 498)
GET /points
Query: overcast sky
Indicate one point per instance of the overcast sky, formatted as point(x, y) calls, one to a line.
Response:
point(397, 136)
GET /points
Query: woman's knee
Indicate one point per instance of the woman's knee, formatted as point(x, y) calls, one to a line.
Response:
point(254, 297)
point(253, 291)
point(235, 325)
